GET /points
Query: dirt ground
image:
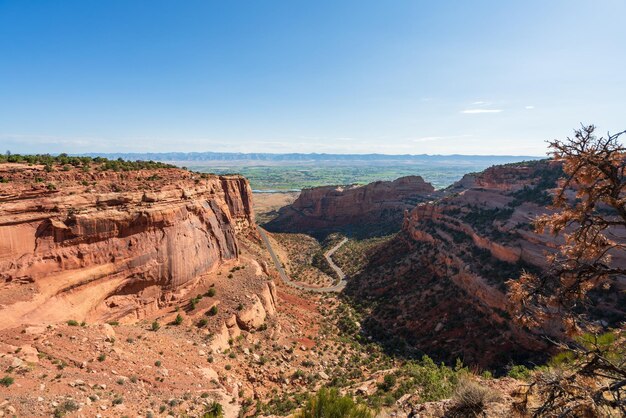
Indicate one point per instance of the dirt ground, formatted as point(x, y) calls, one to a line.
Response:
point(266, 205)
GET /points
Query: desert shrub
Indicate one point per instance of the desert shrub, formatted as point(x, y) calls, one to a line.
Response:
point(388, 383)
point(155, 326)
point(202, 323)
point(435, 382)
point(6, 381)
point(72, 323)
point(213, 410)
point(102, 357)
point(327, 403)
point(178, 320)
point(471, 399)
point(210, 293)
point(212, 311)
point(67, 406)
point(519, 372)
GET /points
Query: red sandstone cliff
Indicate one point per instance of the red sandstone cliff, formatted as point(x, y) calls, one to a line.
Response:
point(107, 244)
point(440, 284)
point(376, 208)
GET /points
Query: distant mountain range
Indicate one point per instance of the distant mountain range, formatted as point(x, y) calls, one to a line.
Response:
point(234, 157)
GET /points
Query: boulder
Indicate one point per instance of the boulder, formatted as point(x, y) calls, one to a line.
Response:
point(253, 315)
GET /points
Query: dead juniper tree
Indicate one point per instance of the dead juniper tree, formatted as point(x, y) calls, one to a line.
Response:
point(589, 377)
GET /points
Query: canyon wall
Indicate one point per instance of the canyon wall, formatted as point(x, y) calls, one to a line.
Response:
point(106, 244)
point(373, 209)
point(440, 285)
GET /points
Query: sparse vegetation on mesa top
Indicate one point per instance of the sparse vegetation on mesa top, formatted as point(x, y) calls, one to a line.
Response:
point(64, 160)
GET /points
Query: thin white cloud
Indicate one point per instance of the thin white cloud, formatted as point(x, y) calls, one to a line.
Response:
point(529, 107)
point(476, 111)
point(439, 138)
point(480, 103)
point(428, 138)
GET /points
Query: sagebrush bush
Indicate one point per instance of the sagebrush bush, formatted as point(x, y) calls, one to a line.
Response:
point(66, 407)
point(214, 410)
point(328, 403)
point(471, 399)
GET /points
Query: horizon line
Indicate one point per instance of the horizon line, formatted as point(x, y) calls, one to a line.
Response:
point(300, 153)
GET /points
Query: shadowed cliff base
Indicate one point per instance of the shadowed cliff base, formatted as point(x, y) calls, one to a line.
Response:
point(411, 306)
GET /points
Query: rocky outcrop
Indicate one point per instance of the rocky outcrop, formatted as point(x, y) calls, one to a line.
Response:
point(258, 307)
point(373, 209)
point(253, 315)
point(250, 315)
point(104, 244)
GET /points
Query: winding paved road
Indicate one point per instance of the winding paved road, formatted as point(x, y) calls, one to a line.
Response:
point(338, 287)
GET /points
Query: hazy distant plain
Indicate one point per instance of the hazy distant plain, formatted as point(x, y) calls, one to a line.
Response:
point(297, 177)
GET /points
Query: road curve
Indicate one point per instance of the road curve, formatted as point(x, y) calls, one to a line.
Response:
point(338, 287)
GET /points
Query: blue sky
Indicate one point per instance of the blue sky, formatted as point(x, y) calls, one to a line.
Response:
point(471, 77)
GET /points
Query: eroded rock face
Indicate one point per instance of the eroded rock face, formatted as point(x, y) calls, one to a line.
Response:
point(111, 244)
point(440, 285)
point(374, 209)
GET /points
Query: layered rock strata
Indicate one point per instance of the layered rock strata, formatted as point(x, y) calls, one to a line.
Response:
point(373, 209)
point(104, 244)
